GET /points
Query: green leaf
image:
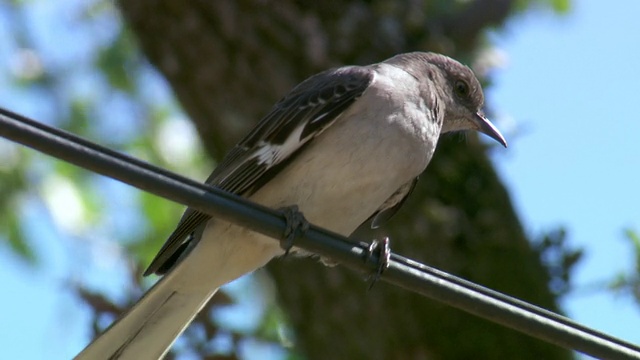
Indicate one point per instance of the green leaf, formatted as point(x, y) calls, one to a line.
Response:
point(116, 60)
point(635, 242)
point(16, 238)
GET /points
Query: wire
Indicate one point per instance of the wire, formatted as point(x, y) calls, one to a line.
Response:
point(401, 271)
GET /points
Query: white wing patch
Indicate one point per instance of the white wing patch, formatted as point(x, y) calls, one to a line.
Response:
point(271, 154)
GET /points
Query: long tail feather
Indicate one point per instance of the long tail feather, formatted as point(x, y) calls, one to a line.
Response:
point(150, 327)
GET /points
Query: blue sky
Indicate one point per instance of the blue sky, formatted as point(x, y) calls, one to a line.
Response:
point(567, 102)
point(570, 87)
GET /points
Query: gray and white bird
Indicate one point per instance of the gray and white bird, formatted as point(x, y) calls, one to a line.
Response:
point(345, 145)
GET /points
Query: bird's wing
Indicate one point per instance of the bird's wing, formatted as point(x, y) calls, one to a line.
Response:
point(303, 114)
point(393, 204)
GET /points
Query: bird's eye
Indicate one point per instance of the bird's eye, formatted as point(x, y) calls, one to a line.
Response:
point(461, 88)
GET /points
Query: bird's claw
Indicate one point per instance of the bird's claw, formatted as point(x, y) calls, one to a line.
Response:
point(383, 251)
point(296, 226)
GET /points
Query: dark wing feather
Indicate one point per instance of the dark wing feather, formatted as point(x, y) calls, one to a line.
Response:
point(295, 120)
point(393, 204)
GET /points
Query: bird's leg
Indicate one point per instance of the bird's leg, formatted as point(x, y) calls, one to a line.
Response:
point(296, 226)
point(383, 251)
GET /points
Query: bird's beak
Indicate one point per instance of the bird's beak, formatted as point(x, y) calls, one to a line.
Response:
point(486, 127)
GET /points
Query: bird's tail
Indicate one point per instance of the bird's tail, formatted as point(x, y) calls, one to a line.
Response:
point(150, 327)
point(148, 330)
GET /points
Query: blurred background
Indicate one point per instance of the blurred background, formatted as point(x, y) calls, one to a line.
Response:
point(553, 219)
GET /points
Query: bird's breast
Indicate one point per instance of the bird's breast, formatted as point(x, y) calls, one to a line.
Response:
point(344, 175)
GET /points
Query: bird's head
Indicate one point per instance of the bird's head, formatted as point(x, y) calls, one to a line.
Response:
point(459, 89)
point(465, 100)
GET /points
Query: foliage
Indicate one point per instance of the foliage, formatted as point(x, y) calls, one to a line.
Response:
point(558, 259)
point(628, 283)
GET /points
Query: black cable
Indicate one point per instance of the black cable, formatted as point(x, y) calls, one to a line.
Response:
point(403, 272)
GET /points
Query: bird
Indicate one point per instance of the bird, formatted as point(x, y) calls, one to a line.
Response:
point(345, 146)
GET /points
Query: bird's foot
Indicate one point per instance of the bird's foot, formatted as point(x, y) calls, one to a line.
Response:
point(382, 250)
point(296, 226)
